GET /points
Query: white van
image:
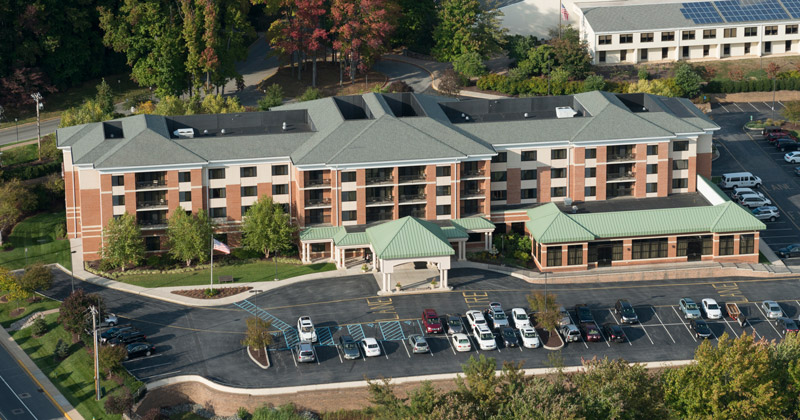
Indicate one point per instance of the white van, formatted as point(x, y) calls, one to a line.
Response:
point(740, 179)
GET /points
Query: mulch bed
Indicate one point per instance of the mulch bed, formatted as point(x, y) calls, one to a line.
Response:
point(4, 299)
point(16, 312)
point(222, 292)
point(547, 339)
point(260, 356)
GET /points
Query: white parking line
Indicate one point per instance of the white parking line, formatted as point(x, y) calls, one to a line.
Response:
point(662, 324)
point(573, 323)
point(728, 323)
point(316, 356)
point(781, 104)
point(768, 106)
point(684, 324)
point(18, 398)
point(339, 354)
point(406, 347)
point(737, 106)
point(754, 107)
point(450, 343)
point(293, 358)
point(383, 349)
point(600, 330)
point(474, 343)
point(723, 107)
point(769, 321)
point(623, 330)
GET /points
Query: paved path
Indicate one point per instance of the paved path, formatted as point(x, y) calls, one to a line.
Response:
point(256, 68)
point(27, 131)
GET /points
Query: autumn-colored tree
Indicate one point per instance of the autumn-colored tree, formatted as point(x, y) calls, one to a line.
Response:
point(15, 200)
point(301, 32)
point(362, 29)
point(772, 70)
point(16, 88)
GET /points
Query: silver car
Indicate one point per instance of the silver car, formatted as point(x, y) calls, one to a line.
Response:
point(305, 352)
point(772, 309)
point(418, 344)
point(571, 333)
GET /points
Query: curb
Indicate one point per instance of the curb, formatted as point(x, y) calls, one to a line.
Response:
point(555, 348)
point(256, 361)
point(30, 123)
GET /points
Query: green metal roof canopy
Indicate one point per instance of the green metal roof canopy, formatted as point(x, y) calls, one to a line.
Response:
point(548, 224)
point(408, 238)
point(473, 223)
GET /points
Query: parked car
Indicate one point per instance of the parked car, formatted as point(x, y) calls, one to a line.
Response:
point(520, 318)
point(689, 308)
point(584, 314)
point(565, 318)
point(792, 157)
point(461, 342)
point(773, 130)
point(772, 309)
point(115, 331)
point(786, 326)
point(509, 336)
point(773, 137)
point(570, 333)
point(484, 337)
point(304, 351)
point(765, 213)
point(625, 310)
point(418, 344)
point(738, 192)
point(739, 179)
point(700, 328)
point(496, 317)
point(142, 348)
point(790, 251)
point(765, 208)
point(711, 308)
point(591, 332)
point(529, 337)
point(431, 321)
point(453, 324)
point(349, 347)
point(753, 200)
point(109, 320)
point(785, 143)
point(797, 170)
point(370, 347)
point(306, 330)
point(614, 333)
point(476, 318)
point(127, 338)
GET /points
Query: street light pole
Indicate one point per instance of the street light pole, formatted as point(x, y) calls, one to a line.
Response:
point(773, 99)
point(39, 105)
point(96, 360)
point(16, 127)
point(72, 271)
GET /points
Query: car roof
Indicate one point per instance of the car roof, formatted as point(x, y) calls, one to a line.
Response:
point(429, 312)
point(483, 328)
point(304, 345)
point(370, 340)
point(571, 327)
point(460, 336)
point(709, 300)
point(770, 302)
point(346, 338)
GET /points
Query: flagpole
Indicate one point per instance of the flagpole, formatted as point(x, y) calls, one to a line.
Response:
point(560, 16)
point(211, 241)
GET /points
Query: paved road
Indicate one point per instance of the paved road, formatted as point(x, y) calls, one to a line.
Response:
point(27, 132)
point(20, 397)
point(417, 78)
point(206, 341)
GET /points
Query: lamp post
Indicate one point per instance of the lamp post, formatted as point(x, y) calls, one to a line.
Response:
point(275, 258)
point(72, 271)
point(96, 361)
point(16, 127)
point(37, 97)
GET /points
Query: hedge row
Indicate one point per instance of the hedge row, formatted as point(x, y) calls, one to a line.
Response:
point(537, 86)
point(30, 172)
point(761, 85)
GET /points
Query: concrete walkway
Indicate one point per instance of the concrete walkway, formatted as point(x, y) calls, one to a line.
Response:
point(435, 69)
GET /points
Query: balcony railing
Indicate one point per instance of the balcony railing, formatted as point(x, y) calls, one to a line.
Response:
point(318, 182)
point(473, 193)
point(318, 220)
point(318, 202)
point(419, 214)
point(155, 183)
point(151, 222)
point(617, 176)
point(412, 197)
point(388, 179)
point(472, 173)
point(413, 177)
point(143, 204)
point(620, 157)
point(380, 199)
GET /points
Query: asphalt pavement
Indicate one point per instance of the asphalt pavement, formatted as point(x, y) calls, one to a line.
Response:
point(27, 131)
point(20, 397)
point(416, 77)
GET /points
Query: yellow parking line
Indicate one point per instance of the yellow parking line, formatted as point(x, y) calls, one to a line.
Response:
point(39, 384)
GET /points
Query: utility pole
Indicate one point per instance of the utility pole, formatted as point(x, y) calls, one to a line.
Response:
point(96, 360)
point(773, 98)
point(16, 126)
point(39, 105)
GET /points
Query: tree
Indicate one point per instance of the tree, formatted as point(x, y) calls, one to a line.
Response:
point(36, 277)
point(594, 82)
point(546, 309)
point(464, 27)
point(469, 64)
point(217, 104)
point(519, 45)
point(663, 87)
point(119, 403)
point(572, 54)
point(791, 111)
point(687, 80)
point(361, 30)
point(88, 112)
point(15, 201)
point(16, 87)
point(542, 399)
point(74, 313)
point(110, 359)
point(267, 228)
point(449, 83)
point(189, 236)
point(257, 335)
point(123, 243)
point(541, 60)
point(731, 380)
point(104, 97)
point(272, 97)
point(171, 105)
point(415, 24)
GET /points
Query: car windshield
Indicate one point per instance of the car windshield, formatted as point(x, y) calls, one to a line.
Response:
point(774, 308)
point(372, 346)
point(455, 322)
point(306, 353)
point(432, 319)
point(499, 315)
point(419, 340)
point(529, 334)
point(349, 346)
point(713, 306)
point(522, 317)
point(691, 306)
point(508, 333)
point(486, 336)
point(593, 331)
point(306, 328)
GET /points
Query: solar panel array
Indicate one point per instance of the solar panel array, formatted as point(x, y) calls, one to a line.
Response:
point(722, 11)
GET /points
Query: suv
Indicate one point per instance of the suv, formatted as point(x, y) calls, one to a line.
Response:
point(689, 308)
point(476, 318)
point(496, 316)
point(773, 137)
point(127, 338)
point(520, 318)
point(591, 332)
point(766, 214)
point(115, 331)
point(571, 333)
point(306, 330)
point(625, 310)
point(484, 337)
point(774, 130)
point(786, 143)
point(584, 314)
point(430, 319)
point(753, 200)
point(305, 352)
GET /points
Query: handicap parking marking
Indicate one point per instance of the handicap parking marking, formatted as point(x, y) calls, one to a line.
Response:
point(421, 330)
point(662, 324)
point(684, 324)
point(325, 335)
point(291, 336)
point(391, 330)
point(356, 331)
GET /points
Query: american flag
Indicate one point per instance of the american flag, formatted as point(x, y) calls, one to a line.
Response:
point(219, 246)
point(564, 13)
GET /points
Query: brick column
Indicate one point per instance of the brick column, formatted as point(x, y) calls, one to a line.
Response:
point(640, 171)
point(543, 184)
point(627, 249)
point(672, 246)
point(130, 193)
point(336, 197)
point(513, 183)
point(703, 164)
point(173, 197)
point(396, 193)
point(361, 196)
point(601, 173)
point(664, 170)
point(198, 191)
point(430, 192)
point(736, 244)
point(693, 174)
point(577, 174)
point(233, 200)
point(455, 190)
point(106, 200)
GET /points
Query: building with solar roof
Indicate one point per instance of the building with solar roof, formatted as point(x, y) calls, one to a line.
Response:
point(638, 32)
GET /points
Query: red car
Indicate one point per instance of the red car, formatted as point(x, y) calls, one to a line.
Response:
point(431, 321)
point(591, 332)
point(773, 137)
point(773, 130)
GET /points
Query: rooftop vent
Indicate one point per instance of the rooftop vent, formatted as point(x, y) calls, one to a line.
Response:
point(184, 133)
point(565, 112)
point(222, 131)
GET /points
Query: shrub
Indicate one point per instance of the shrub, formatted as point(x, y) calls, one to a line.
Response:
point(119, 403)
point(211, 292)
point(7, 246)
point(62, 350)
point(60, 231)
point(110, 359)
point(469, 64)
point(242, 413)
point(643, 74)
point(450, 84)
point(39, 327)
point(272, 97)
point(399, 86)
point(309, 95)
point(594, 82)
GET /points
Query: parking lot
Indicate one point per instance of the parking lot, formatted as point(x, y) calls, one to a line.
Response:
point(742, 150)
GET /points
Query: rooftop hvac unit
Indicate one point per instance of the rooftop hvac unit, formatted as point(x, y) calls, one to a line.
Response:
point(186, 133)
point(565, 112)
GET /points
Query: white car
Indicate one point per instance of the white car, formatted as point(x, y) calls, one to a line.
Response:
point(738, 192)
point(772, 309)
point(765, 213)
point(792, 157)
point(520, 318)
point(529, 337)
point(306, 330)
point(484, 337)
point(476, 318)
point(461, 342)
point(753, 200)
point(370, 347)
point(711, 309)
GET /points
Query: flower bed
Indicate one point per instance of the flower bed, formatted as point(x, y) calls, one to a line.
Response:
point(220, 292)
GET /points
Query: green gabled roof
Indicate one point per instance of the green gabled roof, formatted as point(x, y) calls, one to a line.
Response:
point(344, 238)
point(454, 232)
point(408, 238)
point(473, 223)
point(319, 233)
point(549, 225)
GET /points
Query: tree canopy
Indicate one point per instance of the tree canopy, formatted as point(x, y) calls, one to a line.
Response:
point(189, 236)
point(123, 243)
point(74, 313)
point(465, 27)
point(267, 228)
point(15, 201)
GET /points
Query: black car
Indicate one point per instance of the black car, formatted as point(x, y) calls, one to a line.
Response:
point(614, 333)
point(790, 251)
point(584, 314)
point(786, 325)
point(786, 143)
point(142, 348)
point(625, 310)
point(115, 331)
point(127, 338)
point(509, 337)
point(700, 328)
point(349, 347)
point(453, 324)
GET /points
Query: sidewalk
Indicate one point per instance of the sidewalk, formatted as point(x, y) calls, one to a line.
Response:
point(435, 69)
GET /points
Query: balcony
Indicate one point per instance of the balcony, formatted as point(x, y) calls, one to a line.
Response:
point(318, 202)
point(473, 173)
point(151, 184)
point(412, 178)
point(152, 223)
point(150, 204)
point(386, 179)
point(380, 199)
point(620, 176)
point(317, 221)
point(317, 183)
point(404, 198)
point(419, 214)
point(473, 193)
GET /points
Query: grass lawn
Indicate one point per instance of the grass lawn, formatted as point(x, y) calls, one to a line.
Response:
point(73, 376)
point(42, 305)
point(37, 234)
point(21, 154)
point(242, 273)
point(762, 259)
